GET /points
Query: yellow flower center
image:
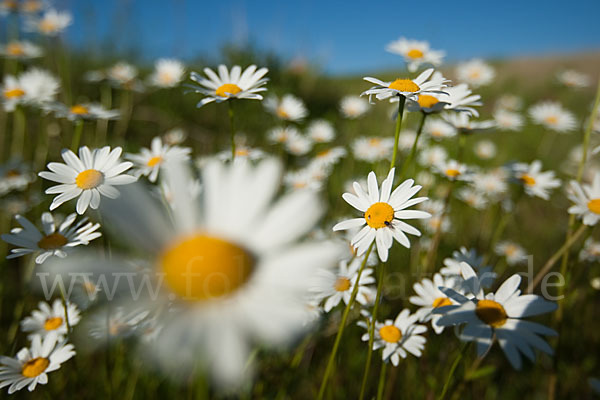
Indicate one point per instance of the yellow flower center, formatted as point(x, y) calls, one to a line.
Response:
point(53, 241)
point(452, 172)
point(475, 74)
point(154, 161)
point(32, 6)
point(228, 89)
point(35, 367)
point(404, 85)
point(374, 142)
point(441, 302)
point(342, 284)
point(552, 119)
point(594, 206)
point(491, 312)
point(415, 54)
point(47, 26)
point(53, 323)
point(528, 180)
point(390, 333)
point(14, 93)
point(78, 109)
point(12, 173)
point(89, 179)
point(202, 267)
point(511, 250)
point(15, 49)
point(165, 78)
point(281, 113)
point(437, 133)
point(427, 101)
point(323, 153)
point(242, 152)
point(379, 215)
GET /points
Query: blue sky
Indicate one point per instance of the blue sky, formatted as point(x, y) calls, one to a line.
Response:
point(342, 36)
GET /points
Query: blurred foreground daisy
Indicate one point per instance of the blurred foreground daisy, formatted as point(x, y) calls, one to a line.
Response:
point(88, 176)
point(409, 88)
point(53, 241)
point(50, 319)
point(233, 84)
point(383, 214)
point(552, 115)
point(230, 268)
point(415, 53)
point(32, 364)
point(150, 161)
point(33, 87)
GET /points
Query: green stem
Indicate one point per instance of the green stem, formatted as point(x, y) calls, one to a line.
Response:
point(65, 307)
point(18, 140)
point(338, 337)
point(372, 330)
point(232, 126)
point(401, 101)
point(413, 150)
point(77, 135)
point(381, 384)
point(451, 372)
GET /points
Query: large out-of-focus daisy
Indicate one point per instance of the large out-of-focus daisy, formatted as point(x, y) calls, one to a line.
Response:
point(353, 106)
point(384, 211)
point(409, 88)
point(232, 267)
point(398, 337)
point(51, 23)
point(234, 84)
point(287, 108)
point(475, 72)
point(21, 50)
point(149, 161)
point(32, 364)
point(572, 78)
point(167, 73)
point(586, 199)
point(50, 319)
point(432, 156)
point(92, 174)
point(485, 149)
point(500, 316)
point(429, 297)
point(552, 115)
point(52, 241)
point(536, 182)
point(416, 53)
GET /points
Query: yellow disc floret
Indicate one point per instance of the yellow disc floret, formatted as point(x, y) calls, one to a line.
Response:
point(78, 109)
point(390, 333)
point(491, 312)
point(441, 302)
point(53, 323)
point(154, 161)
point(228, 89)
point(427, 101)
point(342, 284)
point(528, 180)
point(594, 206)
point(35, 367)
point(89, 179)
point(14, 93)
point(379, 215)
point(53, 241)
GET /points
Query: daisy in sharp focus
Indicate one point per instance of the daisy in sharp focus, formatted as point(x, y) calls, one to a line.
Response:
point(167, 73)
point(53, 241)
point(32, 364)
point(552, 115)
point(15, 175)
point(384, 211)
point(35, 86)
point(233, 268)
point(287, 108)
point(50, 319)
point(586, 199)
point(430, 297)
point(409, 88)
point(500, 315)
point(452, 270)
point(535, 182)
point(150, 161)
point(398, 337)
point(234, 84)
point(416, 53)
point(353, 107)
point(20, 50)
point(475, 72)
point(92, 174)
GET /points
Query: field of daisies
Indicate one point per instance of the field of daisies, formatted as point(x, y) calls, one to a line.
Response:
point(247, 227)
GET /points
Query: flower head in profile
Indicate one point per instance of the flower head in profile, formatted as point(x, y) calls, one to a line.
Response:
point(50, 319)
point(383, 214)
point(234, 84)
point(409, 88)
point(167, 73)
point(20, 50)
point(54, 240)
point(150, 161)
point(79, 111)
point(32, 364)
point(92, 174)
point(554, 116)
point(287, 108)
point(475, 73)
point(536, 182)
point(429, 297)
point(416, 53)
point(586, 199)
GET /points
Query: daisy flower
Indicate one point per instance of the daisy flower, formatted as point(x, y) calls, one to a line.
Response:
point(50, 319)
point(485, 149)
point(475, 72)
point(288, 108)
point(439, 219)
point(298, 144)
point(321, 131)
point(251, 275)
point(438, 129)
point(552, 115)
point(501, 315)
point(14, 175)
point(32, 364)
point(464, 124)
point(452, 270)
point(433, 155)
point(590, 251)
point(398, 337)
point(233, 84)
point(122, 75)
point(337, 286)
point(353, 107)
point(384, 212)
point(509, 102)
point(508, 120)
point(51, 23)
point(586, 199)
point(35, 86)
point(167, 73)
point(371, 149)
point(76, 112)
point(415, 53)
point(149, 161)
point(473, 198)
point(174, 136)
point(457, 98)
point(513, 253)
point(429, 297)
point(574, 79)
point(114, 323)
point(20, 50)
point(327, 158)
point(409, 88)
point(535, 182)
point(53, 241)
point(491, 183)
point(453, 170)
point(88, 176)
